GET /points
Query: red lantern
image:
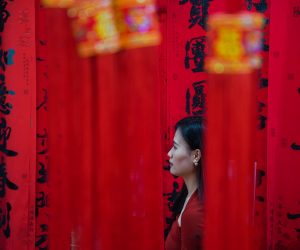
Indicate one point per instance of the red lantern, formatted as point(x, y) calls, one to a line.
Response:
point(235, 42)
point(93, 24)
point(137, 23)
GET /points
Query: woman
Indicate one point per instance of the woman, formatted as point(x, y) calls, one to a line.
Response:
point(186, 157)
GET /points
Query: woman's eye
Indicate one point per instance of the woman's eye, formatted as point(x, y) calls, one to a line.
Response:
point(174, 147)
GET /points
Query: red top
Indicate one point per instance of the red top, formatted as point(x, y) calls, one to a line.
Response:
point(189, 236)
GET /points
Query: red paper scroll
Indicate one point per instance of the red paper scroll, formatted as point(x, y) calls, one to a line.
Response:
point(184, 80)
point(42, 213)
point(18, 125)
point(283, 130)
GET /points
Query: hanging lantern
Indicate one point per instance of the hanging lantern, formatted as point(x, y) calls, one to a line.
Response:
point(57, 3)
point(236, 41)
point(94, 28)
point(137, 23)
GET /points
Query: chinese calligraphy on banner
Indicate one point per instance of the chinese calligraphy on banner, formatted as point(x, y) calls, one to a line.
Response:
point(18, 125)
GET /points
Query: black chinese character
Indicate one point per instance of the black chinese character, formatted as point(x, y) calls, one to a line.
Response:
point(5, 107)
point(4, 14)
point(295, 146)
point(4, 181)
point(260, 198)
point(198, 12)
point(291, 216)
point(261, 6)
point(194, 50)
point(262, 121)
point(187, 102)
point(262, 118)
point(259, 177)
point(42, 239)
point(4, 136)
point(266, 46)
point(41, 201)
point(42, 173)
point(5, 219)
point(6, 58)
point(44, 102)
point(263, 83)
point(198, 106)
point(43, 138)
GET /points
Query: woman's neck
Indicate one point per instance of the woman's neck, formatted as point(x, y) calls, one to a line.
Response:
point(191, 183)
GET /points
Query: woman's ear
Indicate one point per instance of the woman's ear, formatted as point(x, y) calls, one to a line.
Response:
point(196, 155)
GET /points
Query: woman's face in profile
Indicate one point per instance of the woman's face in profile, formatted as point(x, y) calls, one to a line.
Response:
point(181, 162)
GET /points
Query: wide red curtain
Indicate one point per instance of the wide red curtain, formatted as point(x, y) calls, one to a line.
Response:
point(105, 178)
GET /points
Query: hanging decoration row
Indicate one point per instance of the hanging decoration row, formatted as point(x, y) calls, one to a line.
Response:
point(107, 26)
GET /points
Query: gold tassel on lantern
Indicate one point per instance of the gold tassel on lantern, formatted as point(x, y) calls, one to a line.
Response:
point(57, 3)
point(94, 28)
point(137, 23)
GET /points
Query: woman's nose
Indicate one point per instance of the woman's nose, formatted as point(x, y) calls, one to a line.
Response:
point(170, 153)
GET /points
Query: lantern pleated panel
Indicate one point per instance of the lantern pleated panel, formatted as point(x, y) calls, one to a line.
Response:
point(94, 28)
point(137, 23)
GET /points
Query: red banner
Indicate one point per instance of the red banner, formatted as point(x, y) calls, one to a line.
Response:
point(18, 125)
point(283, 130)
point(183, 78)
point(42, 212)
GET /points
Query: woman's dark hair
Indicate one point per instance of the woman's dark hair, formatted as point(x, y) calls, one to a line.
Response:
point(192, 130)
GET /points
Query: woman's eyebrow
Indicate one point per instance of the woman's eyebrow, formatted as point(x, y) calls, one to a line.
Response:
point(175, 143)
